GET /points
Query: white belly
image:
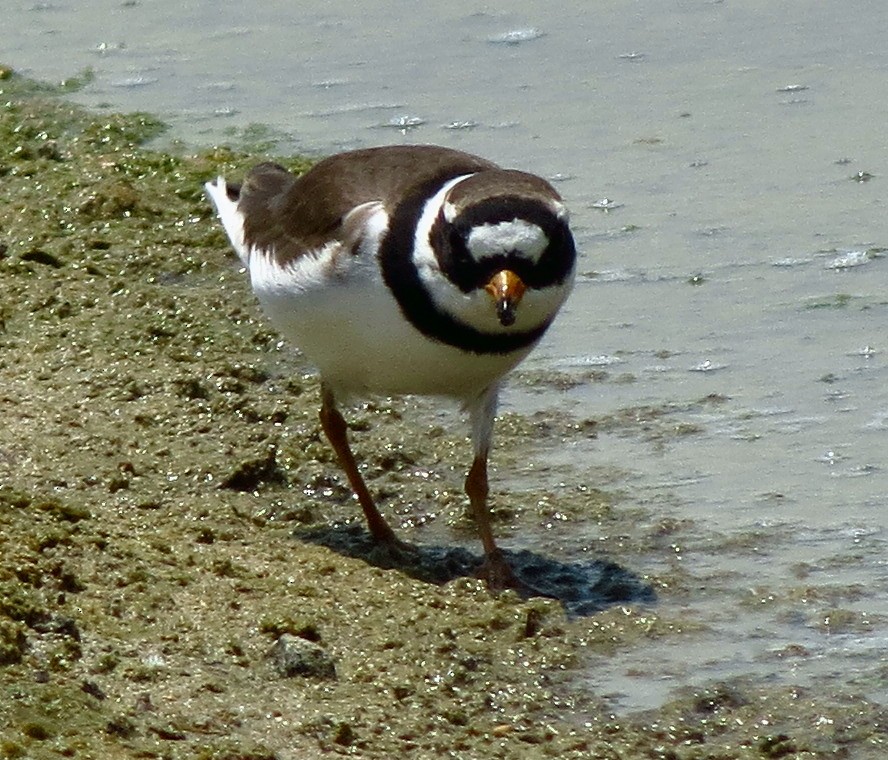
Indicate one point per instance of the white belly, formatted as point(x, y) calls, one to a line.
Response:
point(355, 334)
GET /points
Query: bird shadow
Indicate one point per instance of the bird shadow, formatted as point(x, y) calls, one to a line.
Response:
point(582, 588)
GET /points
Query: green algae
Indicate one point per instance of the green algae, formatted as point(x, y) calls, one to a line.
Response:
point(159, 448)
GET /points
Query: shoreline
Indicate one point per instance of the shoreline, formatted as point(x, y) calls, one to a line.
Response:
point(143, 601)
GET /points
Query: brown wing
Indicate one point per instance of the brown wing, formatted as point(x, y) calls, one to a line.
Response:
point(293, 215)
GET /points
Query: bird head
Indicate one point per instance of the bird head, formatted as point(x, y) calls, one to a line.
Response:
point(502, 240)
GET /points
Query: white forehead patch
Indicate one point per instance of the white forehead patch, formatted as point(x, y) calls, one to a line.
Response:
point(516, 235)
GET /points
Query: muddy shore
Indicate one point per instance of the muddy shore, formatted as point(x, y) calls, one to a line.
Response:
point(182, 573)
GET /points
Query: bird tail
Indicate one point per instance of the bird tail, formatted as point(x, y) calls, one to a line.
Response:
point(225, 198)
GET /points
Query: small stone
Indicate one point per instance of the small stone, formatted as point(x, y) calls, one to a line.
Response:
point(50, 150)
point(251, 474)
point(294, 656)
point(345, 735)
point(93, 689)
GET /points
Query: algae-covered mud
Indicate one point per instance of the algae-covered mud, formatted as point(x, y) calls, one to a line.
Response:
point(181, 570)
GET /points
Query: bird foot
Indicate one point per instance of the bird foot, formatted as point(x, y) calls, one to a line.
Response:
point(392, 552)
point(500, 576)
point(497, 576)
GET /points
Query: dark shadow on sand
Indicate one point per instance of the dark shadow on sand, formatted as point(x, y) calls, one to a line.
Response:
point(583, 588)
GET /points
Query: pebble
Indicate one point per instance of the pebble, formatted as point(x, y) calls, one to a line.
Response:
point(295, 656)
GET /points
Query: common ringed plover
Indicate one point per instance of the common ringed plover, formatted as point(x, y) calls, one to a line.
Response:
point(406, 270)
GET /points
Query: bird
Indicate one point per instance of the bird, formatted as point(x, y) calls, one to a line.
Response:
point(406, 270)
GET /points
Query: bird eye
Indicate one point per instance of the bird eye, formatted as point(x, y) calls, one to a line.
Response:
point(458, 249)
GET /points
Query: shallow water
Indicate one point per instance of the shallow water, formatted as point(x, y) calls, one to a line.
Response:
point(733, 283)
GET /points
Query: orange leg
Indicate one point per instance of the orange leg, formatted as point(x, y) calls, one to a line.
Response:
point(337, 433)
point(496, 570)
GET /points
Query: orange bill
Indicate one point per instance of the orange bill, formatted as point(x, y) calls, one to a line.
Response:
point(506, 289)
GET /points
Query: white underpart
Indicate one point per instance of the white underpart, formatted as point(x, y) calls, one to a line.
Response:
point(517, 235)
point(272, 282)
point(482, 412)
point(332, 264)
